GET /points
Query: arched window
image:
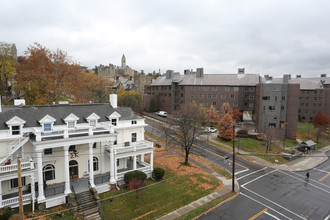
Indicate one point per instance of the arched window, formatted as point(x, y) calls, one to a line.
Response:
point(95, 164)
point(49, 172)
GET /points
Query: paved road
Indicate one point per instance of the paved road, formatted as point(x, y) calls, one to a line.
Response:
point(267, 193)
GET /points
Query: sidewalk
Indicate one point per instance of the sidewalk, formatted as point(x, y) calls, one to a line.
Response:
point(301, 164)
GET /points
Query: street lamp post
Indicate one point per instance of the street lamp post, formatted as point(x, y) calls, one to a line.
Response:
point(233, 170)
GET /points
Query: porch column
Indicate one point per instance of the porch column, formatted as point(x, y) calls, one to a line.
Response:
point(41, 196)
point(152, 161)
point(66, 170)
point(116, 168)
point(91, 167)
point(112, 166)
point(102, 157)
point(134, 162)
point(33, 192)
point(0, 194)
point(141, 159)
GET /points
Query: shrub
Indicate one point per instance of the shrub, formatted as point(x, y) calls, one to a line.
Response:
point(158, 173)
point(136, 174)
point(5, 213)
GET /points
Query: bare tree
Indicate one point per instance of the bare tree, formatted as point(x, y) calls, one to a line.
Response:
point(184, 129)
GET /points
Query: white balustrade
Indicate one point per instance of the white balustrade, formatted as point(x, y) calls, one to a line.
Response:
point(13, 167)
point(15, 200)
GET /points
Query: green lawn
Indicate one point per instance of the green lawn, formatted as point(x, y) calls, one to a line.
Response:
point(306, 130)
point(157, 199)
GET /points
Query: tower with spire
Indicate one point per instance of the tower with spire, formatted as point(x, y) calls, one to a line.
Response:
point(123, 61)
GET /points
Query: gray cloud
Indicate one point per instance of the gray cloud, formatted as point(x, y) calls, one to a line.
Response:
point(266, 37)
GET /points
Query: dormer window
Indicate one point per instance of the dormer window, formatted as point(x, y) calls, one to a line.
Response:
point(71, 120)
point(114, 118)
point(134, 122)
point(15, 125)
point(47, 123)
point(92, 119)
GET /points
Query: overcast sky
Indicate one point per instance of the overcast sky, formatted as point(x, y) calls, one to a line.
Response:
point(268, 37)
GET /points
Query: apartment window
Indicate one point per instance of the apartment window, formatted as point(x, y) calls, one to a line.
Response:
point(302, 104)
point(311, 118)
point(223, 96)
point(181, 95)
point(299, 110)
point(232, 96)
point(275, 88)
point(306, 110)
point(320, 92)
point(206, 88)
point(271, 108)
point(272, 125)
point(252, 89)
point(251, 105)
point(47, 127)
point(209, 96)
point(251, 97)
point(282, 108)
point(315, 92)
point(114, 121)
point(165, 94)
point(214, 103)
point(303, 92)
point(95, 164)
point(245, 104)
point(307, 92)
point(200, 95)
point(48, 151)
point(49, 172)
point(314, 104)
point(320, 98)
point(134, 137)
point(307, 98)
point(246, 96)
point(227, 88)
point(192, 96)
point(236, 89)
point(95, 145)
point(235, 104)
point(15, 130)
point(301, 98)
point(319, 104)
point(214, 88)
point(315, 98)
point(201, 88)
point(246, 89)
point(307, 104)
point(193, 88)
point(14, 183)
point(214, 96)
point(266, 98)
point(283, 98)
point(314, 111)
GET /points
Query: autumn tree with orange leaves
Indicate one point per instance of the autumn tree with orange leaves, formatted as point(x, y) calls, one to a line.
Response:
point(226, 127)
point(237, 114)
point(321, 122)
point(45, 76)
point(225, 108)
point(211, 115)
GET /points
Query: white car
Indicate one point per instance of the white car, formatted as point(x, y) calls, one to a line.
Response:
point(162, 113)
point(211, 129)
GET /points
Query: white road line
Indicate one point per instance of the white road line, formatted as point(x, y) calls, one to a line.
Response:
point(272, 215)
point(264, 205)
point(321, 170)
point(258, 178)
point(251, 173)
point(273, 203)
point(309, 183)
point(242, 171)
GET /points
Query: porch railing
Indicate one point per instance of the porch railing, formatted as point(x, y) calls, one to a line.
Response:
point(54, 190)
point(13, 167)
point(15, 200)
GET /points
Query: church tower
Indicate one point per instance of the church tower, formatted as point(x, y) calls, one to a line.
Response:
point(123, 61)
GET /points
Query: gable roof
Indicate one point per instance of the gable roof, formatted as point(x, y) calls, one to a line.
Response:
point(33, 114)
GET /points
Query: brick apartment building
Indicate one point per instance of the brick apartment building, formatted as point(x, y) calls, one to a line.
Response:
point(274, 103)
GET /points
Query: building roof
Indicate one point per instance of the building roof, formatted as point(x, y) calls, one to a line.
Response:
point(311, 83)
point(210, 80)
point(32, 114)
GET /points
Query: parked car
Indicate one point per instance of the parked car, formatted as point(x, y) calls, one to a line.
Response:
point(162, 113)
point(211, 129)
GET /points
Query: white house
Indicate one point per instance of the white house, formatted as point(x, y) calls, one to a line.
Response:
point(56, 144)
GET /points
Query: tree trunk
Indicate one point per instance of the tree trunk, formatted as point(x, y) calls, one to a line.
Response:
point(186, 158)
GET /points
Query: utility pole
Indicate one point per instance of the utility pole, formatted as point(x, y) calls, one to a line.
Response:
point(20, 194)
point(233, 171)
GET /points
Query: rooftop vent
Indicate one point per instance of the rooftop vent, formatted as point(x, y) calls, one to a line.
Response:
point(241, 71)
point(186, 72)
point(169, 74)
point(199, 73)
point(298, 76)
point(286, 78)
point(323, 75)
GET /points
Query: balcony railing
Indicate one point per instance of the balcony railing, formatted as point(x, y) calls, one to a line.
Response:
point(15, 200)
point(60, 133)
point(133, 146)
point(13, 167)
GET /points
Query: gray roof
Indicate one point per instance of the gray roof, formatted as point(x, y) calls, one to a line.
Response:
point(32, 114)
point(210, 80)
point(310, 83)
